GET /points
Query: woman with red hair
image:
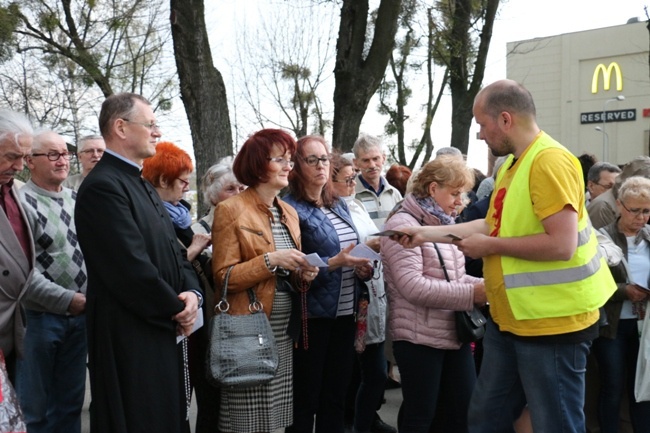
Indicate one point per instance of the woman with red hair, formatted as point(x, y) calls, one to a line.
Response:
point(259, 237)
point(169, 172)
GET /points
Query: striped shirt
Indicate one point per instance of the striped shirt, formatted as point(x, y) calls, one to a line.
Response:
point(347, 235)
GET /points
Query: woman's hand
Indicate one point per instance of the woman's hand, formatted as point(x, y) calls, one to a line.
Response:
point(308, 273)
point(290, 259)
point(480, 298)
point(635, 294)
point(364, 272)
point(200, 241)
point(344, 258)
point(374, 243)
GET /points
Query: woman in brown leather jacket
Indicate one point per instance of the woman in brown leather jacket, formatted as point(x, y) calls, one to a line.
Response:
point(259, 235)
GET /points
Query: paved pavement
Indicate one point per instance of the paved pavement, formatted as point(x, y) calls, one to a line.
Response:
point(388, 411)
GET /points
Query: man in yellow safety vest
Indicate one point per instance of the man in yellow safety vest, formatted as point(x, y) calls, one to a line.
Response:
point(545, 279)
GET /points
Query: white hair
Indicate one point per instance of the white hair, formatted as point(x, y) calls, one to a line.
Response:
point(215, 178)
point(366, 142)
point(14, 124)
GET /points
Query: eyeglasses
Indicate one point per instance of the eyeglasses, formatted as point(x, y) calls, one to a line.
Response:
point(54, 156)
point(313, 160)
point(186, 183)
point(608, 186)
point(282, 161)
point(151, 126)
point(99, 152)
point(637, 212)
point(348, 180)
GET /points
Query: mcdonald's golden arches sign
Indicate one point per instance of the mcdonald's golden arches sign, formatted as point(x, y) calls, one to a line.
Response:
point(607, 72)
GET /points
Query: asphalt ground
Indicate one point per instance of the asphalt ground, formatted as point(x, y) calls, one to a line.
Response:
point(388, 411)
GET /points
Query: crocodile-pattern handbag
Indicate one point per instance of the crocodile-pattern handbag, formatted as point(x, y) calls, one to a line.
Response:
point(242, 351)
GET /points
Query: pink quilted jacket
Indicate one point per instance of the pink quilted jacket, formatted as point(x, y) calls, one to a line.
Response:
point(421, 302)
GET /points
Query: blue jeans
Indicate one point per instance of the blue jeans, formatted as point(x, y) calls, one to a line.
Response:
point(617, 367)
point(549, 377)
point(51, 378)
point(373, 380)
point(427, 373)
point(321, 376)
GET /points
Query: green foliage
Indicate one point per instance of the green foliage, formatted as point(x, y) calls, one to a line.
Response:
point(165, 104)
point(78, 53)
point(48, 21)
point(8, 24)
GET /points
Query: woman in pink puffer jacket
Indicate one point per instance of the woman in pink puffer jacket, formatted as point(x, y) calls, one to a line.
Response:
point(432, 362)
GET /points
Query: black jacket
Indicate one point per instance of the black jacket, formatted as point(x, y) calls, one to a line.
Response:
point(136, 270)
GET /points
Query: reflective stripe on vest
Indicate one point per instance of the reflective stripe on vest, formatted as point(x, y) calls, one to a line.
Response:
point(544, 289)
point(561, 276)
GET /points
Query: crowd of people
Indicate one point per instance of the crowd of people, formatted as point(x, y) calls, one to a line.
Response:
point(108, 271)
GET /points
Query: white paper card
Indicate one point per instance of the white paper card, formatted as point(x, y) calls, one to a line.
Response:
point(314, 260)
point(365, 252)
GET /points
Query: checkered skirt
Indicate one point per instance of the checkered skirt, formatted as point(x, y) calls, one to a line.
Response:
point(268, 407)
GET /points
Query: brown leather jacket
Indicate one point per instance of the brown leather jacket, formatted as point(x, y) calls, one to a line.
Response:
point(241, 234)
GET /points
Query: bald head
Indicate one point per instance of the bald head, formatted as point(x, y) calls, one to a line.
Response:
point(506, 95)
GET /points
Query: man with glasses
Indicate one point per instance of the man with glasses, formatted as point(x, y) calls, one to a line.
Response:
point(602, 209)
point(142, 292)
point(373, 190)
point(51, 379)
point(601, 178)
point(16, 242)
point(89, 151)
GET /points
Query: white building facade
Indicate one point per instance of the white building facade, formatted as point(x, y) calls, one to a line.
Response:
point(591, 88)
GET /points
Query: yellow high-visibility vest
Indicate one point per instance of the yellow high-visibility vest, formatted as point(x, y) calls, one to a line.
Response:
point(544, 289)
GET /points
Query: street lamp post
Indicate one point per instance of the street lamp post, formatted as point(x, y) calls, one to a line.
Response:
point(605, 141)
point(605, 136)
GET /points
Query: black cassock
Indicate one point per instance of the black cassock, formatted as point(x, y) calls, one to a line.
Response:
point(135, 272)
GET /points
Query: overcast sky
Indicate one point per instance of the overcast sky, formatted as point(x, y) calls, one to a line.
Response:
point(517, 20)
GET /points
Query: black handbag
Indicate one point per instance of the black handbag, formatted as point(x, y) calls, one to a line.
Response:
point(470, 325)
point(242, 351)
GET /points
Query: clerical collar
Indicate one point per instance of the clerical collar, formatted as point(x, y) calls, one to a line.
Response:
point(128, 161)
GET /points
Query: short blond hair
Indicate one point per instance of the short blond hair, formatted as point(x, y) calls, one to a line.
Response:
point(446, 170)
point(635, 188)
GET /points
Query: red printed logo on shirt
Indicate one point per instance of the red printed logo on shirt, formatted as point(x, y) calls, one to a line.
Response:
point(498, 211)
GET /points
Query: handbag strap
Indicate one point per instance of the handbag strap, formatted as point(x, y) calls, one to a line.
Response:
point(442, 262)
point(206, 226)
point(223, 305)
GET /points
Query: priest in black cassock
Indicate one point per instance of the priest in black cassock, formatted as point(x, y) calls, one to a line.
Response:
point(142, 292)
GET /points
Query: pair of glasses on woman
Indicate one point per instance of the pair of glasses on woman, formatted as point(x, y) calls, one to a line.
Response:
point(311, 160)
point(348, 180)
point(637, 211)
point(282, 161)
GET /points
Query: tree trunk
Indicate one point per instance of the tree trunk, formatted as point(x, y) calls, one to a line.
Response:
point(464, 90)
point(202, 88)
point(356, 77)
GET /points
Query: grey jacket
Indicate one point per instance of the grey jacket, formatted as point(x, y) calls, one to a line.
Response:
point(378, 206)
point(16, 276)
point(615, 303)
